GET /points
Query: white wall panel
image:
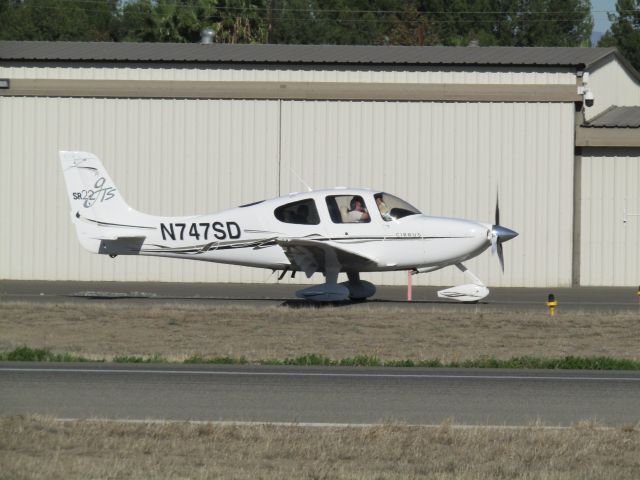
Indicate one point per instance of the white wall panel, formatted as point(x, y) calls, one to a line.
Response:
point(175, 157)
point(169, 157)
point(448, 159)
point(611, 85)
point(497, 75)
point(609, 247)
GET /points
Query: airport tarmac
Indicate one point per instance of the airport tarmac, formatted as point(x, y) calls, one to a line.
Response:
point(609, 299)
point(334, 395)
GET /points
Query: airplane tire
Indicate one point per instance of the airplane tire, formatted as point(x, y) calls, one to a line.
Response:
point(361, 290)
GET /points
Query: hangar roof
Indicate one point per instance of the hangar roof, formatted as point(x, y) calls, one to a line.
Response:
point(616, 117)
point(304, 54)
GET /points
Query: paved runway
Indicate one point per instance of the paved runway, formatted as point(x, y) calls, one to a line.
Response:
point(319, 395)
point(513, 299)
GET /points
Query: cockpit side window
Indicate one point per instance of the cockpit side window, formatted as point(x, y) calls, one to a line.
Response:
point(303, 212)
point(393, 208)
point(348, 209)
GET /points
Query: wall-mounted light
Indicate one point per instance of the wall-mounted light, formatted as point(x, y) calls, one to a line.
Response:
point(585, 91)
point(4, 83)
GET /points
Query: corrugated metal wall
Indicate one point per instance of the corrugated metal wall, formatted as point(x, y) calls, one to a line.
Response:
point(197, 156)
point(470, 75)
point(612, 85)
point(448, 159)
point(170, 157)
point(609, 247)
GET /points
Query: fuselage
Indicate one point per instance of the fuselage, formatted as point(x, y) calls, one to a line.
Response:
point(324, 231)
point(396, 238)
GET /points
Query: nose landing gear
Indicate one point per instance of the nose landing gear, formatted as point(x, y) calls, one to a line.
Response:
point(470, 292)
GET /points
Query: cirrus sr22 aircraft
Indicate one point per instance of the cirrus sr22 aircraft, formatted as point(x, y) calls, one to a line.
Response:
point(324, 231)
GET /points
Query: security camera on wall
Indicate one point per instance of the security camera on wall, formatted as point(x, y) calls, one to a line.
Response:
point(588, 98)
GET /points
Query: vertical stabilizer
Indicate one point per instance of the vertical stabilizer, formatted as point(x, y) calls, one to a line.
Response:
point(97, 208)
point(90, 188)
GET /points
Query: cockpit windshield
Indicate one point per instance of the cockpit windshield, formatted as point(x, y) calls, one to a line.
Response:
point(393, 208)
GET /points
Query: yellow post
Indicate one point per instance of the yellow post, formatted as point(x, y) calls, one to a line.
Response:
point(638, 293)
point(552, 304)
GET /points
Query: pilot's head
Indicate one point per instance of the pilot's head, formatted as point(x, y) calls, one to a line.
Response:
point(356, 203)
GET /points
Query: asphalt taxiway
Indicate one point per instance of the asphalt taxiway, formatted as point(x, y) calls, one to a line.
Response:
point(319, 395)
point(609, 299)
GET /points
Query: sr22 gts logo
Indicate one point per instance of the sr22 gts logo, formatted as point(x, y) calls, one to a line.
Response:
point(100, 194)
point(218, 230)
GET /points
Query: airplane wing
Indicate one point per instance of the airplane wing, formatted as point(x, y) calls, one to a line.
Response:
point(312, 256)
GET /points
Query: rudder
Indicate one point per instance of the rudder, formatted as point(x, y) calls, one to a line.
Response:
point(90, 188)
point(98, 210)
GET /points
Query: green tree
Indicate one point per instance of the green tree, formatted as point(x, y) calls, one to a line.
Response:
point(350, 22)
point(458, 22)
point(433, 22)
point(242, 21)
point(412, 27)
point(234, 21)
point(332, 22)
point(625, 31)
point(137, 23)
point(57, 20)
point(547, 23)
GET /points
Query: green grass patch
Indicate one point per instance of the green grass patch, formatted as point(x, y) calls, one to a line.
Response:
point(565, 363)
point(27, 354)
point(216, 360)
point(134, 359)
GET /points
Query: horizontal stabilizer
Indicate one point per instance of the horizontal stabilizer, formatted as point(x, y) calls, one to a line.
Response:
point(121, 246)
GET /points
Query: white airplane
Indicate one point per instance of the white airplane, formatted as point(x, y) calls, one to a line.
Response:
point(326, 231)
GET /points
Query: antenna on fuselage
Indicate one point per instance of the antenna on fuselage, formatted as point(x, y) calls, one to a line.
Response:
point(309, 189)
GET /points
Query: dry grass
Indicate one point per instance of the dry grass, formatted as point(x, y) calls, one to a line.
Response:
point(42, 448)
point(104, 330)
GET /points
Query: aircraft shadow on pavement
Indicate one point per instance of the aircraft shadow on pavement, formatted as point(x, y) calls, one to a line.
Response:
point(293, 303)
point(300, 303)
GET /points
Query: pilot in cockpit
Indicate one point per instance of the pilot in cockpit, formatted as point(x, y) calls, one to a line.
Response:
point(357, 211)
point(384, 210)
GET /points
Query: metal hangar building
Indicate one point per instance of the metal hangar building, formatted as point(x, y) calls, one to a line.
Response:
point(191, 129)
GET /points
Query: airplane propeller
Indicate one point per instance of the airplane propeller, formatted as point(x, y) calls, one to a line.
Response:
point(499, 235)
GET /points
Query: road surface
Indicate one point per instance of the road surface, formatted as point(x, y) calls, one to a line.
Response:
point(319, 395)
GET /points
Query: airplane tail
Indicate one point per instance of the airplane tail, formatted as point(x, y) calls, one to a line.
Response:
point(103, 220)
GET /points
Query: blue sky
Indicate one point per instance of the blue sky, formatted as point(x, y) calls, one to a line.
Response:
point(598, 10)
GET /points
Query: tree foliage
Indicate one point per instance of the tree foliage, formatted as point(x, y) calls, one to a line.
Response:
point(358, 22)
point(330, 22)
point(434, 22)
point(545, 23)
point(625, 31)
point(58, 20)
point(234, 21)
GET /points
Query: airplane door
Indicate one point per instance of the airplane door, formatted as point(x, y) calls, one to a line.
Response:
point(354, 220)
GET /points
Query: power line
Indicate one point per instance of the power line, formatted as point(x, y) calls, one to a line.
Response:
point(348, 16)
point(185, 6)
point(515, 14)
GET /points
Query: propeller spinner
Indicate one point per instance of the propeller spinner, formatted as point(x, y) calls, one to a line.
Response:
point(499, 235)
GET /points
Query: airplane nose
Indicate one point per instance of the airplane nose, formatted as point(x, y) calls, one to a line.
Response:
point(502, 233)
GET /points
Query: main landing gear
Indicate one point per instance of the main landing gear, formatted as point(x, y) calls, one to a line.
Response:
point(332, 291)
point(357, 289)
